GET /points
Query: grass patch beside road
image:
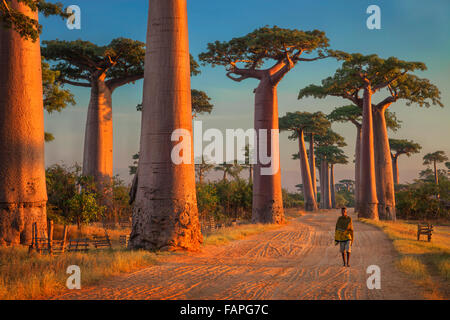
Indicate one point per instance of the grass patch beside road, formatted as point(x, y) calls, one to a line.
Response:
point(428, 263)
point(34, 276)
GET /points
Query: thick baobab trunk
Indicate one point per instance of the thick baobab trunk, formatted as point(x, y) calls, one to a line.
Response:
point(165, 215)
point(332, 186)
point(308, 191)
point(368, 196)
point(358, 168)
point(383, 167)
point(312, 164)
point(267, 196)
point(23, 194)
point(395, 169)
point(98, 140)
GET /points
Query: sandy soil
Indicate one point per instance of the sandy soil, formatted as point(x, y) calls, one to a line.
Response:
point(297, 261)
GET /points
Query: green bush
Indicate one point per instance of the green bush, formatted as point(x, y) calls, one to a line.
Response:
point(292, 200)
point(423, 200)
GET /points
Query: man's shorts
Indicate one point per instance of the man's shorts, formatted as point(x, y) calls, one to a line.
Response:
point(345, 246)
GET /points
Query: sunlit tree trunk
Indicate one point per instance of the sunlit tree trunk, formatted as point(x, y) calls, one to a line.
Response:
point(395, 169)
point(368, 196)
point(319, 167)
point(312, 164)
point(436, 175)
point(332, 186)
point(358, 168)
point(308, 191)
point(98, 140)
point(327, 186)
point(267, 196)
point(165, 215)
point(23, 194)
point(383, 166)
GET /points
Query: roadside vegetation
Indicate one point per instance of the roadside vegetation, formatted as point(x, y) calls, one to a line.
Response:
point(426, 263)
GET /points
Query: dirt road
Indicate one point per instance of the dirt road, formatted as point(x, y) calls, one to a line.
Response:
point(297, 261)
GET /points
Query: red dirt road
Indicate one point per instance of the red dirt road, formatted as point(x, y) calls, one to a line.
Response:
point(296, 261)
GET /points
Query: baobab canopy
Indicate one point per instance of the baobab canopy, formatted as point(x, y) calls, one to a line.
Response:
point(392, 73)
point(122, 60)
point(353, 114)
point(265, 44)
point(315, 123)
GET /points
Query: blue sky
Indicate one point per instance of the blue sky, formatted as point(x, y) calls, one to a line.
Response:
point(411, 30)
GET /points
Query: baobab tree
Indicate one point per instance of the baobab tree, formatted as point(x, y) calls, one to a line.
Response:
point(399, 147)
point(326, 145)
point(335, 156)
point(311, 124)
point(369, 75)
point(434, 158)
point(353, 114)
point(23, 195)
point(244, 58)
point(102, 69)
point(165, 214)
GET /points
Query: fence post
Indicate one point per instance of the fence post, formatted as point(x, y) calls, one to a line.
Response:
point(63, 245)
point(50, 237)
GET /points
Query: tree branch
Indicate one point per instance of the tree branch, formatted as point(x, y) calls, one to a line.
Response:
point(115, 83)
point(243, 73)
point(74, 83)
point(385, 103)
point(387, 82)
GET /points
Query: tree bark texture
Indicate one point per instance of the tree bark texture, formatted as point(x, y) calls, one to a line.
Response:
point(332, 187)
point(308, 191)
point(383, 167)
point(98, 140)
point(368, 196)
point(165, 215)
point(358, 168)
point(395, 169)
point(267, 196)
point(23, 194)
point(312, 164)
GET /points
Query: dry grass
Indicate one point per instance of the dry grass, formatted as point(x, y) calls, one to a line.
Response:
point(225, 235)
point(34, 276)
point(428, 263)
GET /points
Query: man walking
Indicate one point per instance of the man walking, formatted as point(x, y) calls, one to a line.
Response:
point(344, 235)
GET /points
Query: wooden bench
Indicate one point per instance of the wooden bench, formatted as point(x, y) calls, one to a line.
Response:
point(124, 239)
point(78, 245)
point(426, 229)
point(102, 242)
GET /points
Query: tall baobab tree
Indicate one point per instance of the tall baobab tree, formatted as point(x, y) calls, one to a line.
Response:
point(103, 70)
point(369, 75)
point(244, 58)
point(311, 124)
point(399, 147)
point(353, 114)
point(326, 150)
point(165, 214)
point(434, 158)
point(23, 194)
point(336, 156)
